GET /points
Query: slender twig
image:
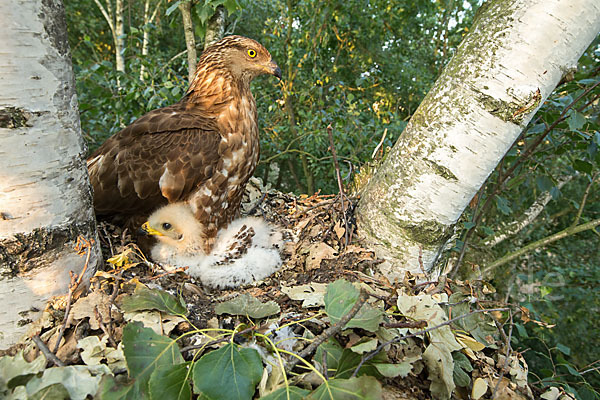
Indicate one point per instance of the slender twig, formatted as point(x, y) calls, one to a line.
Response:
point(506, 357)
point(111, 301)
point(379, 144)
point(217, 341)
point(321, 204)
point(46, 351)
point(82, 243)
point(474, 220)
point(372, 354)
point(260, 201)
point(103, 327)
point(584, 199)
point(327, 333)
point(339, 181)
point(542, 242)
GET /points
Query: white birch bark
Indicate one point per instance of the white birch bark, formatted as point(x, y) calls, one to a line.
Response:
point(120, 36)
point(512, 59)
point(146, 37)
point(190, 40)
point(45, 197)
point(114, 19)
point(215, 27)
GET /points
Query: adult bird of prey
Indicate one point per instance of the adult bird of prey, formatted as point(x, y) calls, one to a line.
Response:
point(201, 150)
point(246, 251)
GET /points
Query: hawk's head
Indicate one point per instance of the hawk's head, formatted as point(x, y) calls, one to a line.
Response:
point(243, 57)
point(175, 226)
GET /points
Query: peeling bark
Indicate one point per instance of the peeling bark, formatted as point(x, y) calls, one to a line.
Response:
point(514, 56)
point(45, 197)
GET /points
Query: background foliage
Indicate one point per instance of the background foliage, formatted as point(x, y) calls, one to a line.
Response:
point(364, 67)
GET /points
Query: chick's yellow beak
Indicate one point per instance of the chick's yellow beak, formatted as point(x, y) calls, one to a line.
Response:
point(150, 231)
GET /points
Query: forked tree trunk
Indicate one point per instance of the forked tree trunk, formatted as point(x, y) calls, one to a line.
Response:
point(114, 19)
point(148, 19)
point(512, 59)
point(45, 198)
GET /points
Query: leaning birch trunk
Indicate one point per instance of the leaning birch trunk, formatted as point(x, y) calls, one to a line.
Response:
point(45, 198)
point(514, 56)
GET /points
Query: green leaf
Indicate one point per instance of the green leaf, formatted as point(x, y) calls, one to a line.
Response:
point(394, 370)
point(11, 367)
point(572, 370)
point(350, 360)
point(362, 387)
point(52, 392)
point(487, 230)
point(146, 350)
point(462, 365)
point(228, 373)
point(231, 6)
point(249, 306)
point(522, 331)
point(583, 166)
point(171, 382)
point(333, 353)
point(153, 299)
point(339, 299)
point(469, 225)
point(287, 393)
point(79, 380)
point(365, 345)
point(576, 120)
point(563, 349)
point(502, 205)
point(544, 183)
point(110, 389)
point(440, 366)
point(173, 7)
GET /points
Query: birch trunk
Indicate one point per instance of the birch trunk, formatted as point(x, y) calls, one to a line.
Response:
point(190, 41)
point(119, 36)
point(146, 38)
point(45, 197)
point(117, 29)
point(215, 27)
point(512, 59)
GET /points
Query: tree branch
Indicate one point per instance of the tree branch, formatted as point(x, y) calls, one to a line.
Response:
point(528, 216)
point(572, 230)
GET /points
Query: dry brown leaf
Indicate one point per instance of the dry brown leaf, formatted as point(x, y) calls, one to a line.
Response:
point(318, 252)
point(339, 229)
point(84, 307)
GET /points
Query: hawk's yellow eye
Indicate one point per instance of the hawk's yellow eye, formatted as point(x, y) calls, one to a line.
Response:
point(252, 53)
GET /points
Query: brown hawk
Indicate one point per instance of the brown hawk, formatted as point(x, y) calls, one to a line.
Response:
point(246, 251)
point(201, 150)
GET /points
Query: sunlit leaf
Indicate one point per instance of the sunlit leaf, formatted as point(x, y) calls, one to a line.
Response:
point(228, 373)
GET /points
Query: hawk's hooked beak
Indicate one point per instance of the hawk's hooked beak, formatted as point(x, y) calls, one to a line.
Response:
point(274, 69)
point(150, 231)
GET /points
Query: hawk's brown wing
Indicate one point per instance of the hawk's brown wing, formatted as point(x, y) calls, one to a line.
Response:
point(163, 155)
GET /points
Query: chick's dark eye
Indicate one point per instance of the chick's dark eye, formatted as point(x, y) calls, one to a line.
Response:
point(252, 53)
point(166, 226)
